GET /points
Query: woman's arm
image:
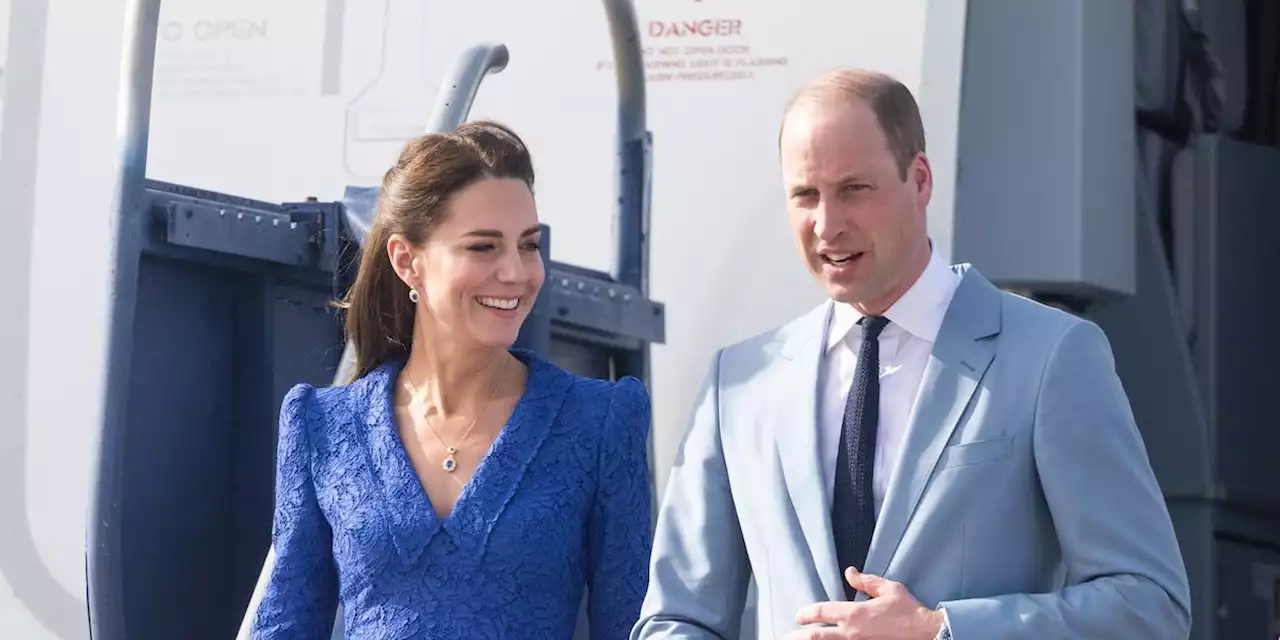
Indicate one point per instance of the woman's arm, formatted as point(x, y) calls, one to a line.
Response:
point(620, 534)
point(300, 599)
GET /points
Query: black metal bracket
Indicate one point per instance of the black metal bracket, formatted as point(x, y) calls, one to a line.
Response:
point(253, 234)
point(223, 227)
point(592, 303)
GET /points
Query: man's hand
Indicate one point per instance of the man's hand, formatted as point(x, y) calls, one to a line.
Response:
point(892, 613)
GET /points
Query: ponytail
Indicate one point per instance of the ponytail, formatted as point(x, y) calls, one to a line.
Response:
point(379, 312)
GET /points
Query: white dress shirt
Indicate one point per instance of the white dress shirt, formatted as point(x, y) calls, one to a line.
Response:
point(905, 345)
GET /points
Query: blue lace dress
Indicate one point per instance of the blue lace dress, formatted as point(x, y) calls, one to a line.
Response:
point(561, 502)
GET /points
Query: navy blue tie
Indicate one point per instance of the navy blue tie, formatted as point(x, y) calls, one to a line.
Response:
point(853, 516)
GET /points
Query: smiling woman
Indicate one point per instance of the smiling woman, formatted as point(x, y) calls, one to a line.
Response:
point(450, 209)
point(398, 490)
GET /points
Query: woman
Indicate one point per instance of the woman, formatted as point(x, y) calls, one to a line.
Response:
point(457, 487)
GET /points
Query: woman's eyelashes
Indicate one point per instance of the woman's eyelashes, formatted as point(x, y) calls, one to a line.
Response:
point(532, 246)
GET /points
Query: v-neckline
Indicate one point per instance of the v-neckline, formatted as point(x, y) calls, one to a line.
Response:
point(477, 475)
point(411, 514)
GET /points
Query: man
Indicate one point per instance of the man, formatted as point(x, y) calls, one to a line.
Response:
point(922, 456)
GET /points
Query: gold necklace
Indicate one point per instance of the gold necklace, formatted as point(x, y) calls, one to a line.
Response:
point(450, 463)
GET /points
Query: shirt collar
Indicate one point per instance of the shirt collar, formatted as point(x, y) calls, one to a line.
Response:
point(919, 311)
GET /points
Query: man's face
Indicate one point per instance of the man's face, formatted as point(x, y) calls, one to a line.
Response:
point(859, 226)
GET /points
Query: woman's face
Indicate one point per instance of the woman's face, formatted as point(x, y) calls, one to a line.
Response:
point(480, 270)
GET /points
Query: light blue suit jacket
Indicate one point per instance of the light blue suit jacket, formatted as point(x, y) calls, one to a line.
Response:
point(1024, 503)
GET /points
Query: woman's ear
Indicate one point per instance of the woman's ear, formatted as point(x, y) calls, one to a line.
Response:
point(400, 252)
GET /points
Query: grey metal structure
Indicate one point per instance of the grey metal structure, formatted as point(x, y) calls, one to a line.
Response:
point(220, 304)
point(1122, 160)
point(1045, 85)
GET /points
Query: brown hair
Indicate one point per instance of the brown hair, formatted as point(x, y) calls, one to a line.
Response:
point(895, 108)
point(415, 196)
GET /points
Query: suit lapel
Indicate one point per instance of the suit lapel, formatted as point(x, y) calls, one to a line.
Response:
point(796, 433)
point(960, 358)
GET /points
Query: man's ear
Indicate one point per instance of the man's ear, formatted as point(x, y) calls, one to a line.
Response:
point(921, 175)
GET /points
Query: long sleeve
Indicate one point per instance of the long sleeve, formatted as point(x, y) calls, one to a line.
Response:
point(300, 599)
point(620, 532)
point(700, 570)
point(1125, 576)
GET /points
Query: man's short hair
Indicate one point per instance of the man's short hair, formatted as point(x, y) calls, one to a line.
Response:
point(895, 108)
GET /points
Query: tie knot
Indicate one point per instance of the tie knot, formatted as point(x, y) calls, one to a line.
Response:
point(872, 326)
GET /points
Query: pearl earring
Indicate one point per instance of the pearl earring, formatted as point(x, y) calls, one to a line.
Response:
point(413, 296)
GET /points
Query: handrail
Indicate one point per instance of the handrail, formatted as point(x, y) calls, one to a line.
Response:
point(631, 220)
point(459, 89)
point(103, 564)
point(624, 32)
